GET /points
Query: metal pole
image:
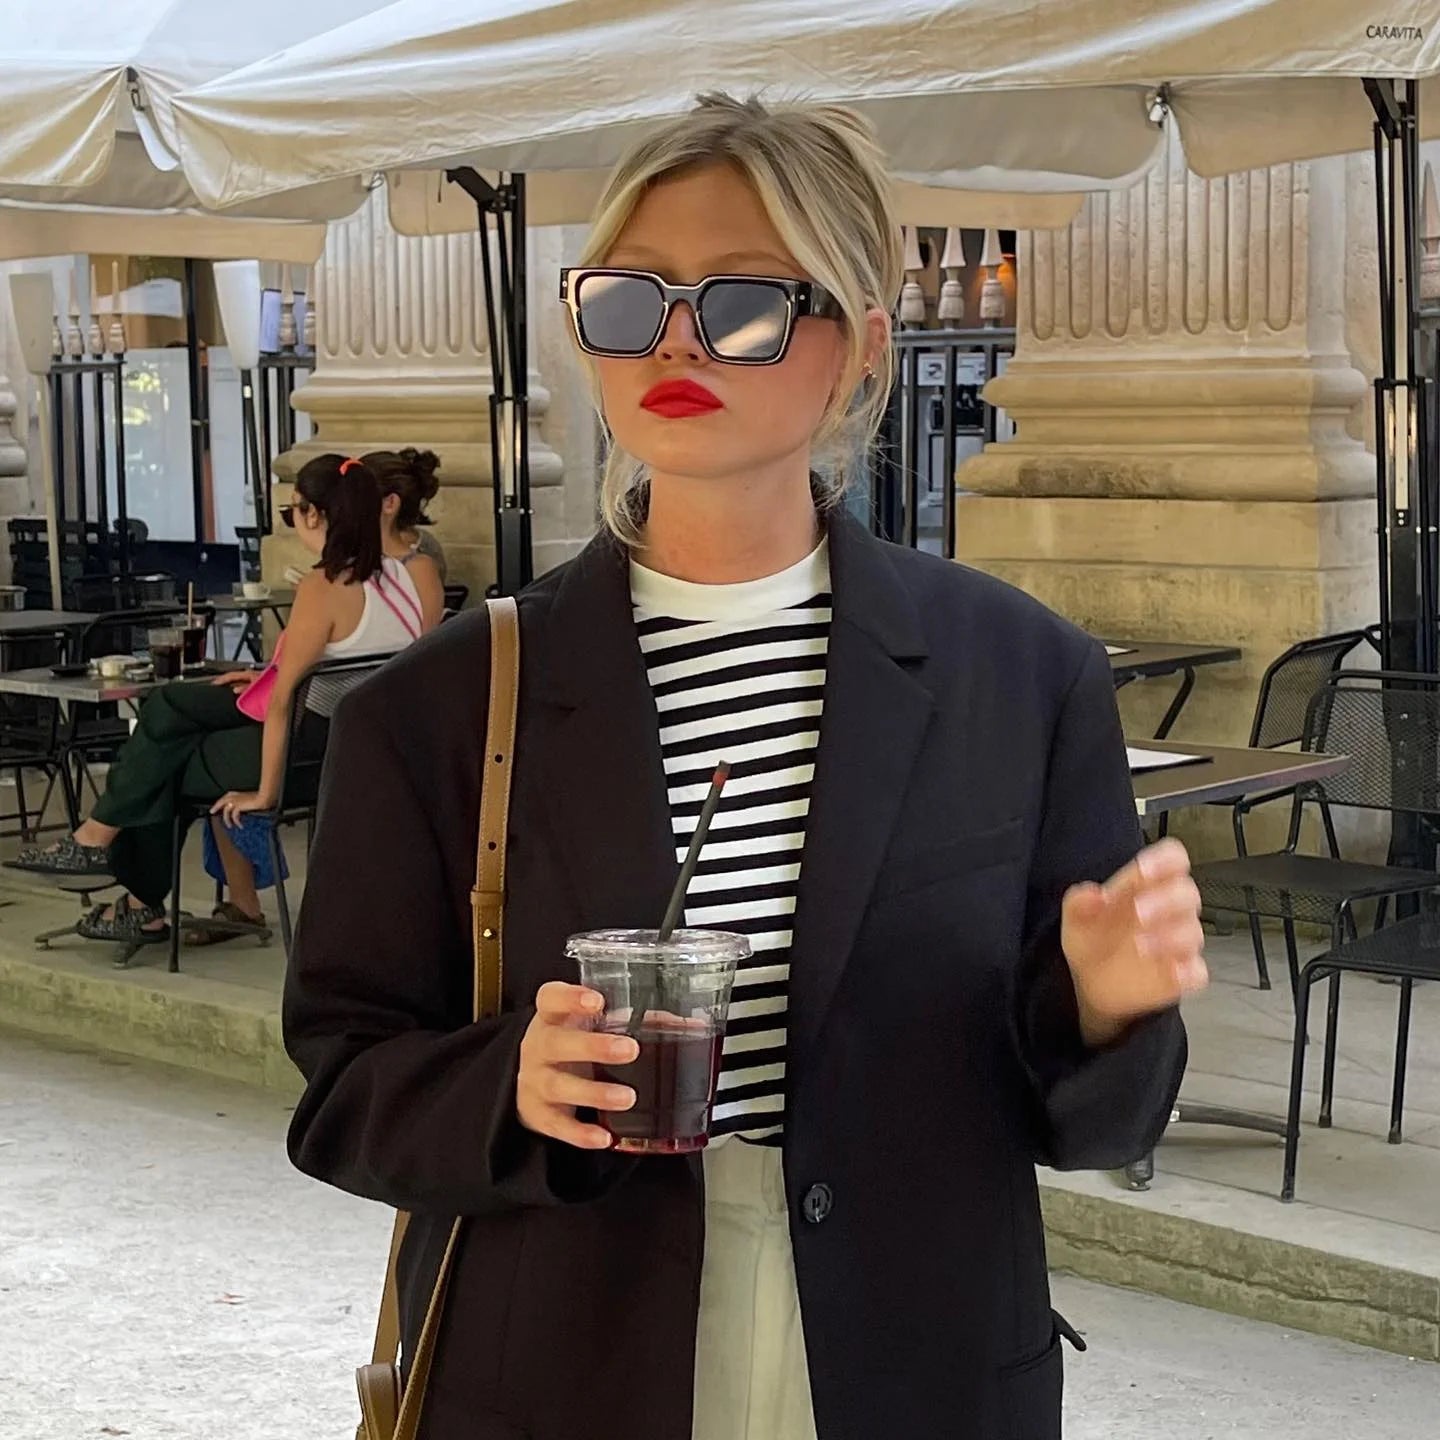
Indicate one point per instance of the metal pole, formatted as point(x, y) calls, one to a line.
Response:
point(253, 472)
point(947, 452)
point(122, 483)
point(520, 382)
point(198, 439)
point(102, 489)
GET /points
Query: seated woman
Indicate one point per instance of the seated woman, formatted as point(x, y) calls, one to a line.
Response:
point(193, 738)
point(408, 483)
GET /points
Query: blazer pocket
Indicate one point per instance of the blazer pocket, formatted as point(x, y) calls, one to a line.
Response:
point(1031, 1395)
point(952, 859)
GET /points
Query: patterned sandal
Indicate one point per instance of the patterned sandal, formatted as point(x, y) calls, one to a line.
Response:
point(225, 913)
point(126, 926)
point(67, 857)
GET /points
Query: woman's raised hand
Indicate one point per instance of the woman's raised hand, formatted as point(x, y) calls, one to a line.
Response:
point(555, 1056)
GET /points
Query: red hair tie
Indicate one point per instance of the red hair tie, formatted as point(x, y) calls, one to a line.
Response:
point(346, 464)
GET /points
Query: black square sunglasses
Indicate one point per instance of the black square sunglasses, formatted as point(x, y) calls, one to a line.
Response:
point(740, 319)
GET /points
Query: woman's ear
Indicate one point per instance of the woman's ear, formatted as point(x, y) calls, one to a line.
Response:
point(390, 505)
point(877, 335)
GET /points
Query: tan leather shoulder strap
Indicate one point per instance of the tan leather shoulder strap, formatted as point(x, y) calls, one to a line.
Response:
point(488, 899)
point(488, 905)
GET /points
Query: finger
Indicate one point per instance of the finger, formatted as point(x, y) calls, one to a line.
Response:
point(561, 1125)
point(556, 1002)
point(1171, 900)
point(563, 1087)
point(1178, 941)
point(1084, 902)
point(565, 1045)
point(1166, 860)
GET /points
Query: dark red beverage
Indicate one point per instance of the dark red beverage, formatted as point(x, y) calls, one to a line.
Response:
point(195, 634)
point(673, 1079)
point(167, 660)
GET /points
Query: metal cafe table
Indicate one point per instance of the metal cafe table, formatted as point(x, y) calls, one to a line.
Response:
point(1132, 660)
point(254, 610)
point(1168, 777)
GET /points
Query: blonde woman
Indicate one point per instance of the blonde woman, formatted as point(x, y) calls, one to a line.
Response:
point(961, 965)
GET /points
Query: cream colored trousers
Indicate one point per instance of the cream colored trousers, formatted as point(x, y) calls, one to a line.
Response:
point(751, 1382)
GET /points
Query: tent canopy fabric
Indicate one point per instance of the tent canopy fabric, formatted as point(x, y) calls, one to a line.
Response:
point(86, 127)
point(1041, 96)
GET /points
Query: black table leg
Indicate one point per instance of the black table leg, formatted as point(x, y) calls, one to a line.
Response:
point(1177, 704)
point(1139, 1173)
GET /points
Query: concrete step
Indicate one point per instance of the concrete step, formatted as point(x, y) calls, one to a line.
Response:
point(1353, 1276)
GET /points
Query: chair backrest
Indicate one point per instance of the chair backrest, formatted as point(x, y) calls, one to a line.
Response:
point(300, 782)
point(1388, 723)
point(1290, 684)
point(456, 596)
point(125, 632)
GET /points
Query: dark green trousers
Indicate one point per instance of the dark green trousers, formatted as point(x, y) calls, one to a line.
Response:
point(190, 742)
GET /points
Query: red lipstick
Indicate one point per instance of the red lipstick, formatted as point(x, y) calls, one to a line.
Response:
point(680, 399)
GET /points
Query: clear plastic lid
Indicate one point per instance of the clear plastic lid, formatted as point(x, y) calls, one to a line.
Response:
point(642, 946)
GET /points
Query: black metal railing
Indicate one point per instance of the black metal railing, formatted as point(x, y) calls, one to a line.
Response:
point(937, 414)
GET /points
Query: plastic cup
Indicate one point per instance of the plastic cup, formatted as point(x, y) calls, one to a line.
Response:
point(672, 997)
point(167, 651)
point(195, 635)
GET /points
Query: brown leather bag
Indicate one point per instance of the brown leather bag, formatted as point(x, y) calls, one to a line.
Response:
point(389, 1409)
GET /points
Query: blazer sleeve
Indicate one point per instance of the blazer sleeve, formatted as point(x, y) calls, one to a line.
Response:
point(1098, 1109)
point(407, 1100)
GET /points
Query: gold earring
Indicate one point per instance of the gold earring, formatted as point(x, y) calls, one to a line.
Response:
point(869, 371)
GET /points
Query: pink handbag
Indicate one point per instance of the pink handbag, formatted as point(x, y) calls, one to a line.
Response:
point(254, 700)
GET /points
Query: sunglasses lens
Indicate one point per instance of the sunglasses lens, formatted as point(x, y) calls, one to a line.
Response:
point(287, 514)
point(745, 319)
point(619, 314)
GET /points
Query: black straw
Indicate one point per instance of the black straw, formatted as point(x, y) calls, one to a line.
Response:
point(682, 884)
point(692, 856)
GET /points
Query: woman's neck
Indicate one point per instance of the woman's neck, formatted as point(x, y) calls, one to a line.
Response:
point(722, 532)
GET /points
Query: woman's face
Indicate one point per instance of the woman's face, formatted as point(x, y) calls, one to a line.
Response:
point(309, 523)
point(708, 221)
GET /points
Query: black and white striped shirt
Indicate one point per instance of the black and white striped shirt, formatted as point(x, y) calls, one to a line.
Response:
point(738, 674)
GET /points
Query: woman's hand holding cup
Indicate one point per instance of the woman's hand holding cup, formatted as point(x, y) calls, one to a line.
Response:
point(555, 1054)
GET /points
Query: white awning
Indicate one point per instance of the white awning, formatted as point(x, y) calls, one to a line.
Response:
point(1041, 97)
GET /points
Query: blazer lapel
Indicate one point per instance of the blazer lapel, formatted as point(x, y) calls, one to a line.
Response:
point(875, 715)
point(599, 763)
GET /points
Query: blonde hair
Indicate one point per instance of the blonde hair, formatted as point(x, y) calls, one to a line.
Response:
point(821, 176)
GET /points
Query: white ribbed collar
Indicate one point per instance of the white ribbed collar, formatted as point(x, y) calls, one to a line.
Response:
point(657, 594)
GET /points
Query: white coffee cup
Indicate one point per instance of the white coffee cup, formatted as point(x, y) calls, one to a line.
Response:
point(256, 590)
point(113, 667)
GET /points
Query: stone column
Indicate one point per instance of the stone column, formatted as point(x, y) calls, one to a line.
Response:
point(14, 420)
point(1187, 463)
point(402, 359)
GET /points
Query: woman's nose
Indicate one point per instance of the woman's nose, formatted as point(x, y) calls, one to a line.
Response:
point(679, 340)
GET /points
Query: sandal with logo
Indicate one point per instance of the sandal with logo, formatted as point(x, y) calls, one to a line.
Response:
point(66, 857)
point(124, 924)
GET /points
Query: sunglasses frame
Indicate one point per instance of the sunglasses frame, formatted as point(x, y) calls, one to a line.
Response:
point(802, 298)
point(287, 513)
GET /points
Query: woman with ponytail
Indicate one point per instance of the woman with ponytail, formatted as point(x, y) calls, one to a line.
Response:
point(209, 740)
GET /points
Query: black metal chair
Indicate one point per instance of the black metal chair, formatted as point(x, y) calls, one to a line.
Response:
point(1286, 690)
point(1355, 713)
point(455, 598)
point(1407, 951)
point(96, 732)
point(299, 795)
point(1388, 724)
point(30, 736)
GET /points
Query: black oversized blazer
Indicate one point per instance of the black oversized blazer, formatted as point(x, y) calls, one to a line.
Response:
point(970, 768)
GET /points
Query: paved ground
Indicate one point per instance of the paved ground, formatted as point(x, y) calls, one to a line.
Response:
point(163, 1272)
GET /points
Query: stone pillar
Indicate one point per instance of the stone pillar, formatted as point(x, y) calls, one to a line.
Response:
point(1186, 464)
point(402, 359)
point(14, 421)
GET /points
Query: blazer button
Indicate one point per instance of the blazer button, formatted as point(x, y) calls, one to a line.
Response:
point(818, 1202)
